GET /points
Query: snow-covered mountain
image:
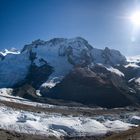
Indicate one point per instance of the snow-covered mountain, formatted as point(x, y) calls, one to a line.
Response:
point(61, 54)
point(51, 66)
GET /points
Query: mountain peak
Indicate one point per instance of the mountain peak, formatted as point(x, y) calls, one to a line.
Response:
point(59, 53)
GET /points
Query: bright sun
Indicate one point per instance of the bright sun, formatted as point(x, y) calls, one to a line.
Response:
point(135, 18)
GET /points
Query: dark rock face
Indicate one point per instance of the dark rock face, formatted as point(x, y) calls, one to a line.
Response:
point(85, 86)
point(1, 57)
point(38, 75)
point(136, 87)
point(130, 72)
point(25, 91)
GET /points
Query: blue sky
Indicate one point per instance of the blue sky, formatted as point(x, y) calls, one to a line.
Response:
point(101, 22)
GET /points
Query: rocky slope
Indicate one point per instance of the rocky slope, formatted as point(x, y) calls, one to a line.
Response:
point(106, 89)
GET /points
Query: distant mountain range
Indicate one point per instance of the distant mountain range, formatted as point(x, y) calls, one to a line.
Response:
point(71, 70)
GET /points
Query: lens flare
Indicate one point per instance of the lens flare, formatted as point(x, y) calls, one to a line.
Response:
point(135, 18)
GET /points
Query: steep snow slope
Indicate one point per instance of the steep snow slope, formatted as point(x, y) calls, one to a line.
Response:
point(13, 69)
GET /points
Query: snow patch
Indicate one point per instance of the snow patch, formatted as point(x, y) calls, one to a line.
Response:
point(11, 51)
point(52, 82)
point(137, 81)
point(132, 79)
point(117, 125)
point(116, 71)
point(6, 91)
point(133, 59)
point(133, 65)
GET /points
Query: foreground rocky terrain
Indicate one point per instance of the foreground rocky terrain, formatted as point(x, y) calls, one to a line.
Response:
point(23, 119)
point(67, 89)
point(133, 133)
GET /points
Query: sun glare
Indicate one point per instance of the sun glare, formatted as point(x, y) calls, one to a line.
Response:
point(135, 18)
